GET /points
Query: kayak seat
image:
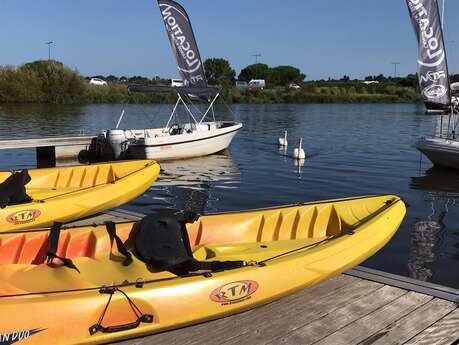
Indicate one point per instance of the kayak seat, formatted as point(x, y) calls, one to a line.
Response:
point(33, 250)
point(249, 251)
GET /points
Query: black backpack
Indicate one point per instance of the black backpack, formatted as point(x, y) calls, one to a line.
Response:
point(162, 242)
point(13, 191)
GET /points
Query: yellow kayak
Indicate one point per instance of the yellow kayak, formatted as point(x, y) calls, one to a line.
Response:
point(110, 299)
point(67, 193)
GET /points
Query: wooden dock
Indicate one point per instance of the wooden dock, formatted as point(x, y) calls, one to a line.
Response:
point(362, 306)
point(52, 149)
point(25, 143)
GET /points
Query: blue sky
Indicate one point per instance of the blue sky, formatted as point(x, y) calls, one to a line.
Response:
point(127, 37)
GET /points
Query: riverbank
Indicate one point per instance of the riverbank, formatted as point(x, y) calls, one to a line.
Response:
point(51, 82)
point(310, 93)
point(328, 92)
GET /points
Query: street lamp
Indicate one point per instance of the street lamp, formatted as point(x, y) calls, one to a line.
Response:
point(49, 49)
point(395, 68)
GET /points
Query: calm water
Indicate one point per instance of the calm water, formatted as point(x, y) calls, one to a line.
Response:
point(353, 149)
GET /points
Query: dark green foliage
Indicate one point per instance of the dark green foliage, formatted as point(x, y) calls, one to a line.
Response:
point(219, 72)
point(41, 82)
point(276, 76)
point(52, 82)
point(255, 71)
point(284, 75)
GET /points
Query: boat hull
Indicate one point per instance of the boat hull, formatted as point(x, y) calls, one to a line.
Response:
point(440, 151)
point(64, 194)
point(58, 305)
point(196, 144)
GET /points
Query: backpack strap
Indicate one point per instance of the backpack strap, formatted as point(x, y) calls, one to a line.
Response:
point(218, 266)
point(111, 229)
point(52, 249)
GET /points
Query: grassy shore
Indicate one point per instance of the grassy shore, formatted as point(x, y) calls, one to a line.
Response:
point(54, 83)
point(313, 92)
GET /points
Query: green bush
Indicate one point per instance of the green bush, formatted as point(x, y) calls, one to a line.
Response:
point(40, 82)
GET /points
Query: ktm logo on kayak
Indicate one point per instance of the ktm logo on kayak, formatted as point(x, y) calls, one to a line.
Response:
point(234, 292)
point(23, 217)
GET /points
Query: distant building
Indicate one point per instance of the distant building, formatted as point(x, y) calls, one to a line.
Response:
point(370, 82)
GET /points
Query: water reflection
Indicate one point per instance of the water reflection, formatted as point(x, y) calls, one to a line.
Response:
point(298, 163)
point(199, 171)
point(438, 180)
point(36, 120)
point(427, 235)
point(188, 184)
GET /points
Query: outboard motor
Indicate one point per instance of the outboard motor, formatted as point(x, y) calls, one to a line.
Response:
point(117, 142)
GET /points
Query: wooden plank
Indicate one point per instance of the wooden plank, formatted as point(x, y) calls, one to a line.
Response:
point(96, 219)
point(127, 214)
point(116, 216)
point(359, 330)
point(214, 331)
point(339, 318)
point(412, 324)
point(443, 332)
point(43, 142)
point(266, 322)
point(435, 290)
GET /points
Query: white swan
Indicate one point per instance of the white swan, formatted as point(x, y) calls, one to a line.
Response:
point(298, 152)
point(283, 141)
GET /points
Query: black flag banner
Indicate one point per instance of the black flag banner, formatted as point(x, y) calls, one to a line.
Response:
point(183, 42)
point(432, 66)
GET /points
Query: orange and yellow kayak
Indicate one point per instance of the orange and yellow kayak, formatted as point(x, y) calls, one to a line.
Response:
point(304, 244)
point(67, 193)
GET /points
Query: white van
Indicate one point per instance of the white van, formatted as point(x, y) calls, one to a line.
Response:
point(177, 82)
point(257, 84)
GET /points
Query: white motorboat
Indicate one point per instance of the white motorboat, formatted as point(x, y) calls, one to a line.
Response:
point(440, 151)
point(177, 140)
point(196, 137)
point(211, 137)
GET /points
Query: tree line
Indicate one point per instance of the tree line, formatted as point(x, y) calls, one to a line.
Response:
point(219, 72)
point(49, 81)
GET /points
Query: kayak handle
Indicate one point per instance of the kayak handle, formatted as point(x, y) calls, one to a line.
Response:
point(146, 318)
